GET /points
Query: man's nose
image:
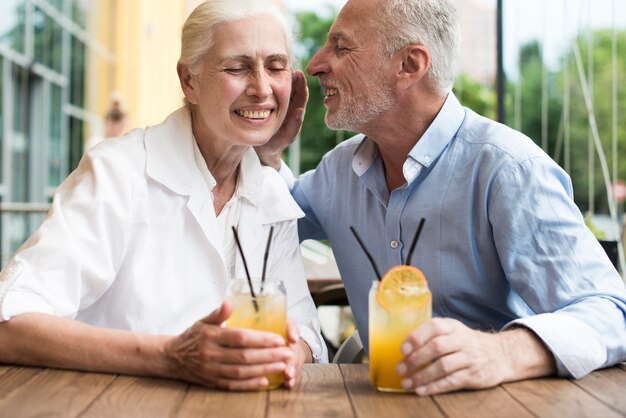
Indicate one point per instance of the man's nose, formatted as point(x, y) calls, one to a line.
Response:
point(318, 64)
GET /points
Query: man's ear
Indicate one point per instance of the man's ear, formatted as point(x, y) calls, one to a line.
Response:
point(187, 83)
point(413, 66)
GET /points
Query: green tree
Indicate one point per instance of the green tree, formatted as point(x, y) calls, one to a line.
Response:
point(478, 97)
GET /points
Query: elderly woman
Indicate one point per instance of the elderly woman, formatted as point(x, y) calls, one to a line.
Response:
point(129, 271)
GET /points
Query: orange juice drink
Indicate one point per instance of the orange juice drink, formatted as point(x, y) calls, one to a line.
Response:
point(395, 310)
point(265, 312)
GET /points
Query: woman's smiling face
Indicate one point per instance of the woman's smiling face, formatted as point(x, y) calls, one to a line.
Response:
point(242, 93)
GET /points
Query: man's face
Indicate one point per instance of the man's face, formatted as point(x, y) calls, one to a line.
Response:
point(353, 70)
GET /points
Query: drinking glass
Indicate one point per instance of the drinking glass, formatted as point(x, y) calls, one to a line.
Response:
point(388, 328)
point(267, 311)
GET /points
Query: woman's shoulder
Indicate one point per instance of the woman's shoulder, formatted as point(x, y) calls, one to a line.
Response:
point(127, 151)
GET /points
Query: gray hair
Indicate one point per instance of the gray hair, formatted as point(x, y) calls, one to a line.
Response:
point(431, 23)
point(204, 21)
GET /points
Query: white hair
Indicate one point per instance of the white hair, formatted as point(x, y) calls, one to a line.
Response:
point(204, 21)
point(431, 23)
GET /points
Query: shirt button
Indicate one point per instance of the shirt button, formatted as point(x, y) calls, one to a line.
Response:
point(427, 158)
point(394, 244)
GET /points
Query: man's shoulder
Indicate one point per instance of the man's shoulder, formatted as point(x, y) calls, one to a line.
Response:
point(496, 138)
point(344, 150)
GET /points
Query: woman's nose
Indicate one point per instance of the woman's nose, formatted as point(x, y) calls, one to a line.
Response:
point(259, 85)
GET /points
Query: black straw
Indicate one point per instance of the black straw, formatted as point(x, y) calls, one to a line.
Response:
point(245, 266)
point(366, 252)
point(265, 256)
point(415, 238)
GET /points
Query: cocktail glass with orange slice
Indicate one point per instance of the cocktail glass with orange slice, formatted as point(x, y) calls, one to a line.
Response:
point(398, 304)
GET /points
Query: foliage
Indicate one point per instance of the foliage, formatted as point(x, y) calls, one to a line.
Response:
point(478, 97)
point(525, 111)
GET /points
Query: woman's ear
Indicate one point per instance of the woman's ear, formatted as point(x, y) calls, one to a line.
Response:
point(187, 83)
point(414, 65)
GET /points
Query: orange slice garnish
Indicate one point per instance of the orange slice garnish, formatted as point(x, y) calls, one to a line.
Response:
point(402, 287)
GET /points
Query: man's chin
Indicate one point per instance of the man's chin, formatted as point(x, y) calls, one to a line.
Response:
point(338, 124)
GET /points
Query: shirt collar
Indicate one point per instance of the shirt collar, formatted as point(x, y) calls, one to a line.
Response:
point(429, 147)
point(250, 175)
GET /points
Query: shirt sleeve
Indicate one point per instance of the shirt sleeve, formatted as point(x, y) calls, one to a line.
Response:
point(300, 306)
point(575, 299)
point(72, 259)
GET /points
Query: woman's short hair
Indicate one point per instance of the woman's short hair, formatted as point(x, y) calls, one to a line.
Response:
point(431, 23)
point(204, 21)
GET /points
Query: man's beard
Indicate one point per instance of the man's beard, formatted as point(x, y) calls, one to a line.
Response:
point(354, 113)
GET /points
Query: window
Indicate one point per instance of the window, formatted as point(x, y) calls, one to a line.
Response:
point(55, 165)
point(47, 41)
point(12, 24)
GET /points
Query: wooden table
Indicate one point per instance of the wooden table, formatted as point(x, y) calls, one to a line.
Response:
point(323, 391)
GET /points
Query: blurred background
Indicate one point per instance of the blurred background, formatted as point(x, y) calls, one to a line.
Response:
point(73, 72)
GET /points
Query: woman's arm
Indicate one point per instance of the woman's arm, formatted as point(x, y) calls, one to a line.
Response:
point(205, 354)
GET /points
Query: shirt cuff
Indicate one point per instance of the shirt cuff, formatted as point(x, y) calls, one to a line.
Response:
point(576, 347)
point(286, 174)
point(315, 343)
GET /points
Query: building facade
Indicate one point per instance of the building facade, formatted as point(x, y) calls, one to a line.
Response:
point(60, 61)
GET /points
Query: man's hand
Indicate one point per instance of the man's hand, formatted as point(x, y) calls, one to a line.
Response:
point(444, 355)
point(270, 153)
point(227, 358)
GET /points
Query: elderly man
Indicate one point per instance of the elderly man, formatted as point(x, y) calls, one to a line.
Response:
point(520, 286)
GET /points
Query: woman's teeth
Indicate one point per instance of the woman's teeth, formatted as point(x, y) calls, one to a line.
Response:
point(257, 114)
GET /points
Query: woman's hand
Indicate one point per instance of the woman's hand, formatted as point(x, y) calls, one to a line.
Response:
point(302, 354)
point(227, 358)
point(270, 153)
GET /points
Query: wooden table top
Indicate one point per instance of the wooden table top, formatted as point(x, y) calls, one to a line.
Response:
point(323, 391)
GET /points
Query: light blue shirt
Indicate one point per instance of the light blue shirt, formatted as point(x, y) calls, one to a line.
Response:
point(503, 241)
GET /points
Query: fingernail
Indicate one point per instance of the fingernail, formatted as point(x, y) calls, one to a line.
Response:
point(420, 390)
point(278, 342)
point(265, 382)
point(401, 368)
point(291, 372)
point(406, 383)
point(406, 348)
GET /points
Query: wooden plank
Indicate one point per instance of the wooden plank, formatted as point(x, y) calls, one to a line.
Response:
point(557, 397)
point(4, 369)
point(367, 401)
point(53, 392)
point(14, 378)
point(320, 392)
point(608, 386)
point(131, 396)
point(492, 403)
point(203, 402)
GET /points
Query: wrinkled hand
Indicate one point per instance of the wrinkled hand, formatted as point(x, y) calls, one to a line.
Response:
point(444, 355)
point(270, 153)
point(227, 358)
point(294, 366)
